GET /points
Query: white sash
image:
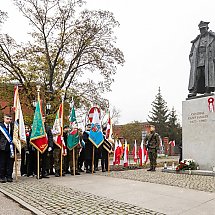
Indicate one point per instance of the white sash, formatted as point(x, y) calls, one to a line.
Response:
point(9, 139)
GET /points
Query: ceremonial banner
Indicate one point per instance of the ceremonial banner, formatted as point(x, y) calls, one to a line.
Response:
point(109, 131)
point(73, 137)
point(91, 113)
point(38, 135)
point(57, 130)
point(19, 136)
point(96, 136)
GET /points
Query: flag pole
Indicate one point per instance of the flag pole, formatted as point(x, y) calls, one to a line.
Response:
point(38, 164)
point(38, 153)
point(108, 163)
point(61, 151)
point(73, 159)
point(93, 159)
point(15, 154)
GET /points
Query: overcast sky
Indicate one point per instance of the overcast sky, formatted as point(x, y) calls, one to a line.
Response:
point(155, 38)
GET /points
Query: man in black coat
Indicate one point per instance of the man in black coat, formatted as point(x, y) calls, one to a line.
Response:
point(106, 149)
point(44, 159)
point(88, 149)
point(6, 150)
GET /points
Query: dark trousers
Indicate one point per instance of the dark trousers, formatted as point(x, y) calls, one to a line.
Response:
point(6, 164)
point(88, 163)
point(23, 167)
point(104, 159)
point(43, 163)
point(152, 158)
point(81, 159)
point(32, 163)
point(50, 162)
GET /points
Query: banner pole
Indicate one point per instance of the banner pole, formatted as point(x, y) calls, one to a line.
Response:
point(73, 159)
point(61, 161)
point(38, 164)
point(108, 163)
point(93, 159)
point(61, 153)
point(16, 164)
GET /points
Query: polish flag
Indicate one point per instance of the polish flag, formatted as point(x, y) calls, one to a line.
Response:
point(120, 150)
point(172, 143)
point(109, 131)
point(115, 156)
point(134, 152)
point(143, 154)
point(126, 154)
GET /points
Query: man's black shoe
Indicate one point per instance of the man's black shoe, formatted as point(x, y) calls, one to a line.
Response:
point(77, 173)
point(45, 176)
point(9, 180)
point(88, 171)
point(153, 170)
point(80, 170)
point(57, 174)
point(103, 170)
point(3, 180)
point(149, 169)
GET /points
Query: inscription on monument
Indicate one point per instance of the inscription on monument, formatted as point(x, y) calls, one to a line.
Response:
point(197, 117)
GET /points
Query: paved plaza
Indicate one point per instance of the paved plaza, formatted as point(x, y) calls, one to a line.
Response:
point(119, 192)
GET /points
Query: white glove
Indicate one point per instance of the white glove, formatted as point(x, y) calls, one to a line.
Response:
point(49, 148)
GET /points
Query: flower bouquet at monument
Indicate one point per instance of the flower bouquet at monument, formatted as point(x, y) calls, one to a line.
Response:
point(187, 164)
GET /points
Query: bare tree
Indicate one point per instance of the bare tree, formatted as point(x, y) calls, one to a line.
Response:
point(68, 51)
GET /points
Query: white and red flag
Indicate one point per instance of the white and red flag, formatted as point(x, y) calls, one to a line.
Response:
point(120, 149)
point(57, 130)
point(172, 143)
point(109, 131)
point(143, 154)
point(115, 155)
point(134, 152)
point(19, 135)
point(125, 154)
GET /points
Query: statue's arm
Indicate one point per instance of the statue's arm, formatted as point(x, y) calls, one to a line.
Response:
point(191, 52)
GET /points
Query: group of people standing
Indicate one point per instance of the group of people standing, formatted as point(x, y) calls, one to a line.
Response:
point(50, 162)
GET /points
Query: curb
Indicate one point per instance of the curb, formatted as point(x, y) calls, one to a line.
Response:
point(190, 172)
point(21, 202)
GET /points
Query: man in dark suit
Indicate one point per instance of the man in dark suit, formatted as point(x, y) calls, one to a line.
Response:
point(45, 158)
point(6, 150)
point(88, 149)
point(106, 149)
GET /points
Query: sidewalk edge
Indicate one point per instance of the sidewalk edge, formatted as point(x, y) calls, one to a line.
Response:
point(21, 202)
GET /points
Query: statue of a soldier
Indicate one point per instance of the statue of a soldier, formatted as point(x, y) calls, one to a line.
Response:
point(202, 62)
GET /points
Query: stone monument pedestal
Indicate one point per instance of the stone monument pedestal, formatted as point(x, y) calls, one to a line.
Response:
point(198, 131)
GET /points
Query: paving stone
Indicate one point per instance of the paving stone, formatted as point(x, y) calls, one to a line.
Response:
point(196, 182)
point(50, 199)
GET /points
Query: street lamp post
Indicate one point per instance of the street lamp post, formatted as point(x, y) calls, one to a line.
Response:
point(34, 103)
point(48, 108)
